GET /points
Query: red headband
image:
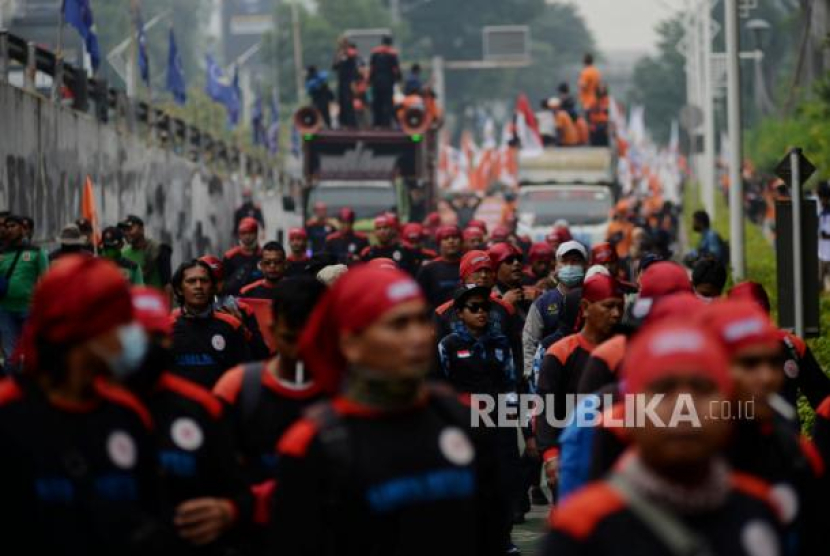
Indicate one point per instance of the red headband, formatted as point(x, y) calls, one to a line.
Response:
point(501, 252)
point(540, 252)
point(602, 253)
point(664, 278)
point(674, 348)
point(445, 232)
point(473, 261)
point(356, 301)
point(472, 233)
point(295, 233)
point(740, 324)
point(600, 287)
point(152, 310)
point(248, 224)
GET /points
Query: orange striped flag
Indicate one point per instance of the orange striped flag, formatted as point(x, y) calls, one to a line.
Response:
point(88, 209)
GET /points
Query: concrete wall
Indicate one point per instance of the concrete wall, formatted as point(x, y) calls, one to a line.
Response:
point(46, 152)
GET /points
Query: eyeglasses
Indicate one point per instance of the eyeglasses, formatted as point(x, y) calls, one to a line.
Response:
point(478, 307)
point(512, 259)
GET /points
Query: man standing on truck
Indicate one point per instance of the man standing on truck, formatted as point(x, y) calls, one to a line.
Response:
point(384, 72)
point(347, 66)
point(589, 80)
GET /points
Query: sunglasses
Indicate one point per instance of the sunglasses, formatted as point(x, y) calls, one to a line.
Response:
point(512, 259)
point(478, 307)
point(755, 361)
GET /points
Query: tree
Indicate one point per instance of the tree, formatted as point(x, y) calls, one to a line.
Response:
point(660, 81)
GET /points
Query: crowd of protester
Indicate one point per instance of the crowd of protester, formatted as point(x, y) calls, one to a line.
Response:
point(319, 398)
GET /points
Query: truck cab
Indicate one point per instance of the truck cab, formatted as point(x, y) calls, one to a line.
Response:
point(367, 198)
point(573, 184)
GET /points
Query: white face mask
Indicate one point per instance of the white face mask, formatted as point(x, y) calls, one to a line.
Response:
point(134, 345)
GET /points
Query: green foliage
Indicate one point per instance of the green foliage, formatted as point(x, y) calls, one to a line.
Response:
point(660, 81)
point(761, 267)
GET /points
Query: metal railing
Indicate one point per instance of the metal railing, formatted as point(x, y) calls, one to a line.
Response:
point(171, 132)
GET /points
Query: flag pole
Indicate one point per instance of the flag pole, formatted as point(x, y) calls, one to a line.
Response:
point(57, 78)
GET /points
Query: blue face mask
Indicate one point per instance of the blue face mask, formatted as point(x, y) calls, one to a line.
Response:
point(134, 345)
point(571, 275)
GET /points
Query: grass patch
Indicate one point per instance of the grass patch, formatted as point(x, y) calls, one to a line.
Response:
point(760, 267)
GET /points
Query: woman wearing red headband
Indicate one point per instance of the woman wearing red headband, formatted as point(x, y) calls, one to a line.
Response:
point(388, 463)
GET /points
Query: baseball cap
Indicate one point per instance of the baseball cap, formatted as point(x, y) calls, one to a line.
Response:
point(112, 237)
point(473, 261)
point(464, 293)
point(71, 235)
point(130, 221)
point(570, 246)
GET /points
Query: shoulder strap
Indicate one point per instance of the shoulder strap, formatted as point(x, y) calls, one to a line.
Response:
point(251, 388)
point(678, 538)
point(10, 271)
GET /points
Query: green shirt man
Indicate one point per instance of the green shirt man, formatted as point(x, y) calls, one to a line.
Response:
point(112, 240)
point(23, 275)
point(151, 256)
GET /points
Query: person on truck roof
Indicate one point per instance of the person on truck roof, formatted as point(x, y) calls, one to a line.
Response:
point(589, 80)
point(566, 132)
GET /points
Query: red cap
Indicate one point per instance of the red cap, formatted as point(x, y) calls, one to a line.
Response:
point(357, 300)
point(80, 297)
point(473, 261)
point(500, 233)
point(477, 223)
point(382, 221)
point(247, 224)
point(346, 215)
point(559, 234)
point(740, 324)
point(600, 287)
point(664, 278)
point(540, 252)
point(603, 253)
point(412, 232)
point(677, 305)
point(501, 252)
point(295, 233)
point(673, 348)
point(383, 262)
point(433, 220)
point(444, 232)
point(752, 291)
point(217, 268)
point(152, 310)
point(471, 233)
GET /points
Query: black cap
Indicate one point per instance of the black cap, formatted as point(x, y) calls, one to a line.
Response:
point(131, 221)
point(112, 237)
point(464, 293)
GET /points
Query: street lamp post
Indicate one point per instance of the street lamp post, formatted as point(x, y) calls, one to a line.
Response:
point(733, 97)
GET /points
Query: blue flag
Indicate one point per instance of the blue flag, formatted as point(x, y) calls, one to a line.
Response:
point(258, 122)
point(78, 14)
point(218, 89)
point(274, 126)
point(143, 58)
point(175, 72)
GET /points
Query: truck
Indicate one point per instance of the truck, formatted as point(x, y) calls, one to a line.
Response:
point(573, 185)
point(371, 171)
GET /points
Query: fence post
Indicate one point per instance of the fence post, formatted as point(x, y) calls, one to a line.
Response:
point(31, 66)
point(4, 55)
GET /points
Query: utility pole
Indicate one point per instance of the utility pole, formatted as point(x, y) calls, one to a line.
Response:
point(395, 11)
point(298, 52)
point(733, 94)
point(708, 102)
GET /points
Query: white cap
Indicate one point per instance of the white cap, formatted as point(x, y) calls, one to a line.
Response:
point(569, 246)
point(597, 269)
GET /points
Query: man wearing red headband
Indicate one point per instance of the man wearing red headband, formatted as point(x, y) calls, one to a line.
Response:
point(346, 470)
point(602, 309)
point(78, 472)
point(474, 239)
point(298, 257)
point(206, 342)
point(508, 262)
point(273, 267)
point(767, 442)
point(319, 227)
point(346, 244)
point(557, 236)
point(802, 373)
point(241, 262)
point(439, 278)
point(673, 489)
point(201, 476)
point(388, 245)
point(604, 254)
point(537, 273)
point(413, 237)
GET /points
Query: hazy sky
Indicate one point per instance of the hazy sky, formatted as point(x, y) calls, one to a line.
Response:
point(625, 24)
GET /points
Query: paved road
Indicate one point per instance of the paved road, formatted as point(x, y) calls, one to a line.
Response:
point(528, 536)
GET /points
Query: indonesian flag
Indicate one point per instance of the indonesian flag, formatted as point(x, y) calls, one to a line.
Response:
point(527, 128)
